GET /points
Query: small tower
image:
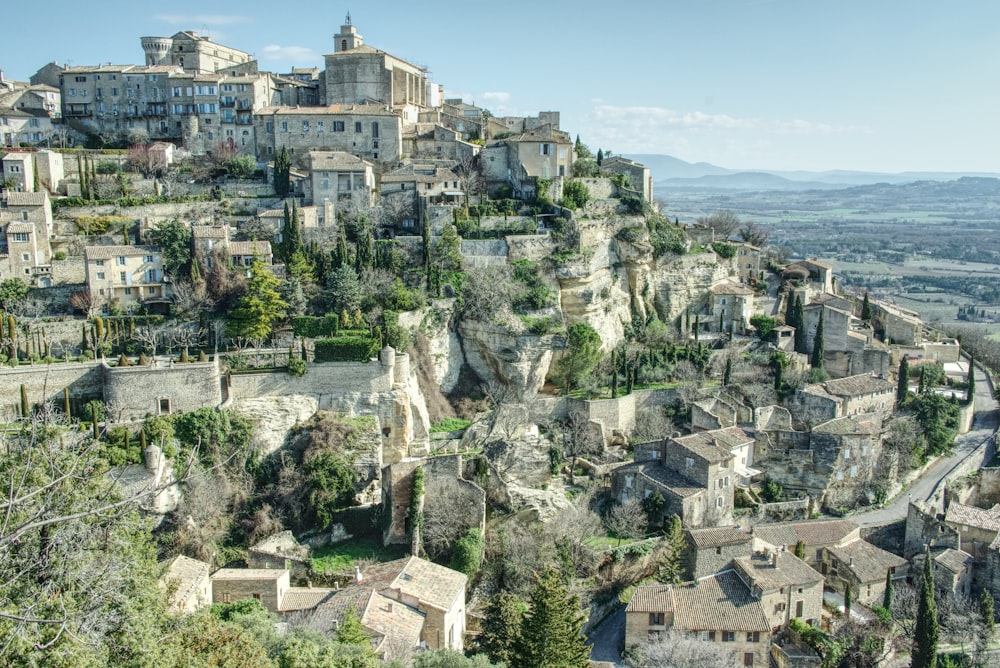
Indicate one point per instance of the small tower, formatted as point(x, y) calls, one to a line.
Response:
point(348, 37)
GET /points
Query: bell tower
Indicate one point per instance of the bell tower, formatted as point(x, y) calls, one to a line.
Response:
point(348, 37)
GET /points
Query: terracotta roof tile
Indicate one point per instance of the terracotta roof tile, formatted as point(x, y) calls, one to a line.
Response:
point(974, 517)
point(721, 601)
point(718, 536)
point(810, 532)
point(652, 598)
point(868, 562)
point(788, 570)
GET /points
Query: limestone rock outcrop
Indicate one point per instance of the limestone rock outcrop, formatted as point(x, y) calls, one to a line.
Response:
point(519, 362)
point(273, 417)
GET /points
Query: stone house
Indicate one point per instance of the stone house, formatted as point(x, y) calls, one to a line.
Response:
point(731, 306)
point(193, 53)
point(410, 602)
point(341, 178)
point(410, 187)
point(637, 173)
point(433, 141)
point(953, 571)
point(977, 528)
point(26, 221)
point(786, 586)
point(210, 240)
point(814, 534)
point(544, 153)
point(845, 457)
point(19, 171)
point(820, 275)
point(749, 262)
point(899, 325)
point(863, 566)
point(853, 395)
point(126, 277)
point(713, 550)
point(24, 126)
point(717, 608)
point(267, 585)
point(370, 131)
point(281, 551)
point(694, 474)
point(187, 584)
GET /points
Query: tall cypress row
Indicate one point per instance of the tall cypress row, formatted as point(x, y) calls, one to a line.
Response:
point(927, 631)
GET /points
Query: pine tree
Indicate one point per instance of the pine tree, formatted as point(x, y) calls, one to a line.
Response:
point(727, 375)
point(501, 628)
point(970, 380)
point(672, 567)
point(926, 631)
point(887, 596)
point(282, 172)
point(903, 382)
point(818, 345)
point(550, 631)
point(258, 310)
point(866, 309)
point(986, 613)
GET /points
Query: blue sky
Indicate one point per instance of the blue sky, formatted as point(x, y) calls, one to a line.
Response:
point(882, 85)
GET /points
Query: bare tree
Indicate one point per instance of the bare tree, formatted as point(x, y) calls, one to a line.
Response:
point(627, 520)
point(149, 338)
point(87, 302)
point(190, 298)
point(752, 233)
point(580, 438)
point(677, 650)
point(569, 531)
point(148, 162)
point(652, 424)
point(443, 523)
point(723, 223)
point(186, 338)
point(470, 180)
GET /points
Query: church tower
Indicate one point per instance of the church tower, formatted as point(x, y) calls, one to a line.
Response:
point(348, 38)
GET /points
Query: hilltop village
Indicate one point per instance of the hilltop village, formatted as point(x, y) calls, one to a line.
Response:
point(386, 375)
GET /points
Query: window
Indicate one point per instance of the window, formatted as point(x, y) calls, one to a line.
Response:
point(284, 126)
point(99, 263)
point(34, 123)
point(338, 126)
point(728, 636)
point(80, 79)
point(545, 149)
point(25, 257)
point(121, 276)
point(374, 129)
point(100, 275)
point(704, 636)
point(20, 236)
point(748, 658)
point(719, 502)
point(798, 608)
point(656, 619)
point(305, 126)
point(121, 260)
point(14, 169)
point(164, 405)
point(148, 258)
point(256, 596)
point(128, 291)
point(226, 598)
point(357, 126)
point(319, 126)
point(688, 463)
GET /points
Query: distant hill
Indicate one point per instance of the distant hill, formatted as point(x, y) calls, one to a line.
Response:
point(670, 172)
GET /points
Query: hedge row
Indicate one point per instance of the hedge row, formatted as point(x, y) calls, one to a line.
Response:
point(315, 327)
point(345, 349)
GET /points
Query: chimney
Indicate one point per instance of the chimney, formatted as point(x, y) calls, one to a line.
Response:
point(358, 577)
point(774, 559)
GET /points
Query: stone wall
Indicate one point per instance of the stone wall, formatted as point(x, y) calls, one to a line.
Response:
point(599, 188)
point(323, 380)
point(619, 414)
point(484, 252)
point(529, 247)
point(138, 391)
point(45, 383)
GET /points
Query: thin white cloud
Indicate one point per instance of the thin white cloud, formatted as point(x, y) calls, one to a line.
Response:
point(276, 53)
point(202, 19)
point(496, 98)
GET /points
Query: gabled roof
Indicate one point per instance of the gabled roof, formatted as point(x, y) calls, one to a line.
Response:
point(185, 574)
point(718, 536)
point(786, 570)
point(852, 386)
point(867, 562)
point(335, 160)
point(652, 598)
point(543, 133)
point(954, 560)
point(249, 574)
point(713, 446)
point(20, 228)
point(258, 248)
point(108, 252)
point(980, 518)
point(670, 480)
point(303, 598)
point(730, 288)
point(718, 602)
point(810, 532)
point(863, 423)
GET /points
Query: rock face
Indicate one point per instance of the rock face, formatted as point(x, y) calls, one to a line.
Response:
point(679, 281)
point(443, 345)
point(273, 417)
point(595, 290)
point(518, 362)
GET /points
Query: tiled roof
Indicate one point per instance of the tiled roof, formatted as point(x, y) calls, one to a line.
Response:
point(652, 598)
point(303, 598)
point(721, 601)
point(108, 252)
point(810, 532)
point(974, 517)
point(718, 536)
point(430, 583)
point(333, 109)
point(813, 262)
point(22, 228)
point(954, 560)
point(26, 199)
point(209, 232)
point(868, 562)
point(863, 423)
point(672, 481)
point(333, 160)
point(398, 624)
point(544, 133)
point(187, 573)
point(712, 446)
point(788, 570)
point(259, 248)
point(730, 288)
point(853, 386)
point(248, 573)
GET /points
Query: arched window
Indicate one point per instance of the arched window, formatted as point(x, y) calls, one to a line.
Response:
point(343, 45)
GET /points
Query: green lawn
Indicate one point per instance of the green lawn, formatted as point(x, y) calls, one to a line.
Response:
point(450, 424)
point(340, 557)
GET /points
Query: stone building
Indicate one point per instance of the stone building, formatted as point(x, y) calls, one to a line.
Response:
point(638, 175)
point(137, 391)
point(749, 262)
point(730, 307)
point(187, 584)
point(953, 570)
point(713, 550)
point(24, 126)
point(863, 566)
point(26, 221)
point(19, 171)
point(402, 604)
point(544, 152)
point(340, 177)
point(359, 74)
point(193, 53)
point(718, 608)
point(417, 184)
point(433, 141)
point(370, 131)
point(836, 398)
point(786, 586)
point(267, 585)
point(281, 551)
point(899, 325)
point(126, 277)
point(819, 275)
point(694, 474)
point(815, 535)
point(977, 528)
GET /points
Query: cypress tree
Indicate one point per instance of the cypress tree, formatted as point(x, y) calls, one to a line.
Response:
point(697, 326)
point(903, 381)
point(790, 310)
point(800, 550)
point(800, 328)
point(778, 373)
point(922, 387)
point(24, 402)
point(93, 418)
point(847, 601)
point(501, 628)
point(986, 613)
point(614, 376)
point(341, 255)
point(66, 401)
point(727, 375)
point(817, 353)
point(926, 631)
point(866, 309)
point(550, 631)
point(282, 171)
point(286, 218)
point(887, 596)
point(425, 232)
point(600, 156)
